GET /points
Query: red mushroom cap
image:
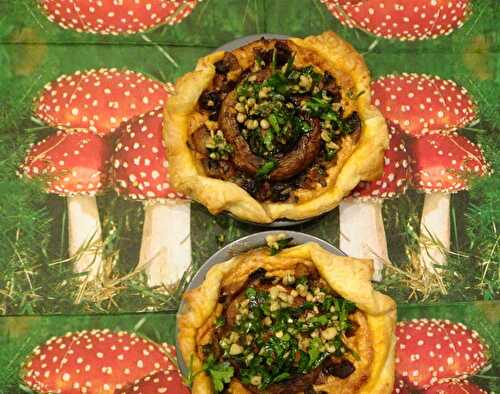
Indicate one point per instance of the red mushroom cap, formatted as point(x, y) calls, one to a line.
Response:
point(396, 173)
point(116, 17)
point(423, 104)
point(433, 351)
point(336, 7)
point(69, 163)
point(166, 381)
point(456, 387)
point(140, 167)
point(95, 362)
point(405, 20)
point(445, 162)
point(98, 100)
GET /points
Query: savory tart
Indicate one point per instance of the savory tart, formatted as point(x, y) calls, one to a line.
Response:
point(300, 320)
point(275, 129)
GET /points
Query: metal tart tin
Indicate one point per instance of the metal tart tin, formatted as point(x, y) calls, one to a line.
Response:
point(237, 247)
point(280, 223)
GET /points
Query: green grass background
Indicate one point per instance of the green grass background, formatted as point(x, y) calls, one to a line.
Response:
point(34, 276)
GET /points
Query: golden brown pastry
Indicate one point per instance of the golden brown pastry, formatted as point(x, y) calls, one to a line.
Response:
point(299, 321)
point(275, 129)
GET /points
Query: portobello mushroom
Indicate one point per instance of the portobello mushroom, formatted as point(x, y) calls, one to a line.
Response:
point(288, 166)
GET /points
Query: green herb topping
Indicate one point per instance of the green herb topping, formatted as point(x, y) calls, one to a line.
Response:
point(266, 168)
point(284, 330)
point(217, 146)
point(221, 373)
point(275, 112)
point(278, 242)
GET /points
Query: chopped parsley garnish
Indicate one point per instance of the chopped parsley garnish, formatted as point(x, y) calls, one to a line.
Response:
point(217, 146)
point(221, 373)
point(281, 332)
point(280, 244)
point(266, 168)
point(220, 321)
point(276, 112)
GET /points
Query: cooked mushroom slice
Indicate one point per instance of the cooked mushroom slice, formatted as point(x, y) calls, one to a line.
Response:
point(286, 167)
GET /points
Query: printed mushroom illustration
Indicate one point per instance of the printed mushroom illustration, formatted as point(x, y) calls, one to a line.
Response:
point(98, 100)
point(442, 165)
point(423, 105)
point(92, 362)
point(435, 351)
point(165, 381)
point(116, 17)
point(74, 164)
point(362, 232)
point(407, 20)
point(455, 387)
point(140, 172)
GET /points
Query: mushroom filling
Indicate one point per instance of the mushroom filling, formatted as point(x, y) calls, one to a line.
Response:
point(274, 127)
point(283, 333)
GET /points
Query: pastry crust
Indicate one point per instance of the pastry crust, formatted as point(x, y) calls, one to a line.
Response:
point(350, 278)
point(360, 160)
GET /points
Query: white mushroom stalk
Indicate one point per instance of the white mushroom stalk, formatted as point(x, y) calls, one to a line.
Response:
point(362, 232)
point(166, 237)
point(85, 235)
point(443, 164)
point(73, 164)
point(434, 238)
point(140, 172)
